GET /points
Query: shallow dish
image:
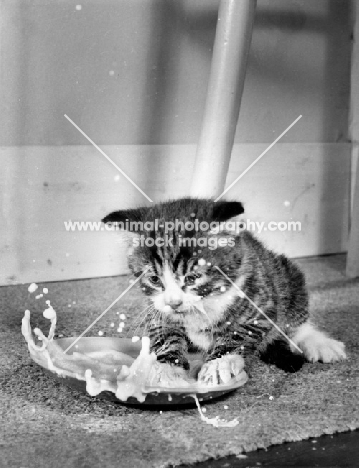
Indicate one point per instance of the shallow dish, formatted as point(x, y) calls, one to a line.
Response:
point(155, 396)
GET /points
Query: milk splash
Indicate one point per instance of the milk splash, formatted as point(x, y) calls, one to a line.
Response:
point(216, 422)
point(124, 381)
point(131, 381)
point(114, 372)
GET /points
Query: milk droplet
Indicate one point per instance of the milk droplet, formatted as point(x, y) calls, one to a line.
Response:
point(223, 288)
point(111, 72)
point(45, 290)
point(287, 203)
point(121, 325)
point(226, 407)
point(112, 324)
point(78, 7)
point(32, 287)
point(49, 313)
point(116, 178)
point(135, 339)
point(100, 333)
point(202, 261)
point(122, 316)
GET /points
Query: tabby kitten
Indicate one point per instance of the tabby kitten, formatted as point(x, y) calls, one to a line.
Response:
point(197, 307)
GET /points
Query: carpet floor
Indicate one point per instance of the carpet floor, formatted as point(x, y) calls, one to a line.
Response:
point(44, 423)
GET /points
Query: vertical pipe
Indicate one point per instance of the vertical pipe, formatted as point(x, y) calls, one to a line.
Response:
point(230, 53)
point(352, 269)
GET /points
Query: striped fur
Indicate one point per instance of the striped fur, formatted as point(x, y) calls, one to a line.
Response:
point(196, 307)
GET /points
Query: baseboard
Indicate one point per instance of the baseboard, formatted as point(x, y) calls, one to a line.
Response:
point(44, 186)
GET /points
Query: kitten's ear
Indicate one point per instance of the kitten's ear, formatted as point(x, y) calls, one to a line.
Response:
point(224, 210)
point(123, 215)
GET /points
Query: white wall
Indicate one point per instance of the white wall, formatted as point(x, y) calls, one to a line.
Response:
point(56, 60)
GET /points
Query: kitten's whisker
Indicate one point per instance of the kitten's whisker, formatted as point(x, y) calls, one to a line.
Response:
point(140, 318)
point(153, 319)
point(151, 323)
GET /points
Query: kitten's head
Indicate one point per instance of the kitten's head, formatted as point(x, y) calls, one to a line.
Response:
point(179, 253)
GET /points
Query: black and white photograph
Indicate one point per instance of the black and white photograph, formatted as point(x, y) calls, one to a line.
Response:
point(179, 233)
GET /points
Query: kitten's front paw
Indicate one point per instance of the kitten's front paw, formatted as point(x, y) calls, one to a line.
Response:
point(221, 370)
point(317, 346)
point(167, 375)
point(326, 350)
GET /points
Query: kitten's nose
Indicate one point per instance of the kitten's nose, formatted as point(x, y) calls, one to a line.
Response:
point(175, 303)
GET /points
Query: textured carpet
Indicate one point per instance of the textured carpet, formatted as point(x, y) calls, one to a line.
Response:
point(43, 423)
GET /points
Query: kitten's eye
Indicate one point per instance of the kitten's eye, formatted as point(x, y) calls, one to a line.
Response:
point(190, 279)
point(155, 280)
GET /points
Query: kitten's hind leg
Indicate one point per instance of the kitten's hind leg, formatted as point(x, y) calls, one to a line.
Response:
point(316, 345)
